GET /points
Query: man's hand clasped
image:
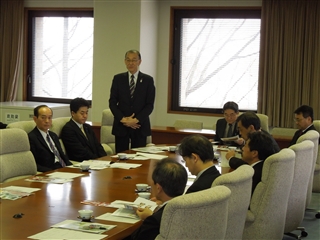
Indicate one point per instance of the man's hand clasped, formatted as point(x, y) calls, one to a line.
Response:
point(131, 122)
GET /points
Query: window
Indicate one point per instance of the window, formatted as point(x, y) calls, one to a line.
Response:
point(214, 59)
point(60, 53)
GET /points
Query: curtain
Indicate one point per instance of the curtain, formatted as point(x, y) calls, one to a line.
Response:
point(289, 71)
point(11, 38)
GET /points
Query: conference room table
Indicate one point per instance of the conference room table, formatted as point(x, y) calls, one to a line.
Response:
point(55, 203)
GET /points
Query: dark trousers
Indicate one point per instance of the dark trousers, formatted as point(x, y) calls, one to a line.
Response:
point(137, 140)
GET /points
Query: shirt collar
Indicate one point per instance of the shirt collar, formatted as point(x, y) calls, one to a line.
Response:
point(78, 124)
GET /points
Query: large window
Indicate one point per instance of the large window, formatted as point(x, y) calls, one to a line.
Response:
point(215, 59)
point(60, 53)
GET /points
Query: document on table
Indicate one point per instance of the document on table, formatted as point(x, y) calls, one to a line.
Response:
point(84, 226)
point(64, 175)
point(58, 233)
point(94, 164)
point(132, 156)
point(110, 217)
point(151, 149)
point(48, 179)
point(124, 165)
point(21, 189)
point(16, 192)
point(152, 156)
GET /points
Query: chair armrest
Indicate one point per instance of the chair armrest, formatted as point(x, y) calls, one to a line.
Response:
point(250, 216)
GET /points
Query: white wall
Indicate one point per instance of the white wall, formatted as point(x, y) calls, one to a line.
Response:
point(123, 25)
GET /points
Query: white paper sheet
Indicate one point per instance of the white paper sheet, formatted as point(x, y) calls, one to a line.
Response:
point(124, 165)
point(65, 234)
point(22, 189)
point(64, 175)
point(109, 217)
point(152, 156)
point(132, 156)
point(151, 149)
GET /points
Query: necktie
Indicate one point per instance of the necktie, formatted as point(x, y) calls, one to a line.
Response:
point(229, 134)
point(132, 86)
point(82, 130)
point(55, 151)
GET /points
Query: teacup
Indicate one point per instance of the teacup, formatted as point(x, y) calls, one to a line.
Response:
point(142, 186)
point(85, 214)
point(172, 148)
point(122, 156)
point(145, 195)
point(84, 167)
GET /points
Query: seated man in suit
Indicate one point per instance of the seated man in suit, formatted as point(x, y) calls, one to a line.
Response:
point(258, 148)
point(169, 181)
point(249, 122)
point(197, 152)
point(303, 116)
point(78, 137)
point(44, 144)
point(227, 126)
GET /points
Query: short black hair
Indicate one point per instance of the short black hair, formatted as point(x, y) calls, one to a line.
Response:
point(36, 110)
point(231, 105)
point(197, 144)
point(306, 111)
point(171, 176)
point(262, 143)
point(133, 51)
point(77, 103)
point(250, 118)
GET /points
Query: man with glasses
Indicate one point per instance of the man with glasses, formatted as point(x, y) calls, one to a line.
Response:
point(44, 144)
point(131, 102)
point(227, 126)
point(303, 116)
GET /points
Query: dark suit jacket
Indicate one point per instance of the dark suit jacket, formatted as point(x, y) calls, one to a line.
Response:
point(256, 178)
point(43, 155)
point(150, 227)
point(205, 180)
point(220, 129)
point(78, 146)
point(122, 105)
point(298, 133)
point(274, 143)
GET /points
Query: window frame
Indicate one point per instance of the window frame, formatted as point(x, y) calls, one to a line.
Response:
point(28, 40)
point(177, 13)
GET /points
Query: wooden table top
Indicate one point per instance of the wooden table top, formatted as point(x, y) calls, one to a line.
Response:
point(55, 203)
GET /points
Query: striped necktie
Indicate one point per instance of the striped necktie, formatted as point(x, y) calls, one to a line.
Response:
point(54, 150)
point(132, 86)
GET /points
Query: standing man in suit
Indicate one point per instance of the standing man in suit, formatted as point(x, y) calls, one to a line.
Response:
point(258, 148)
point(166, 172)
point(303, 116)
point(197, 152)
point(44, 144)
point(78, 137)
point(227, 126)
point(131, 101)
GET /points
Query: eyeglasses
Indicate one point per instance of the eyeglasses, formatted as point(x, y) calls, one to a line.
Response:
point(298, 119)
point(131, 60)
